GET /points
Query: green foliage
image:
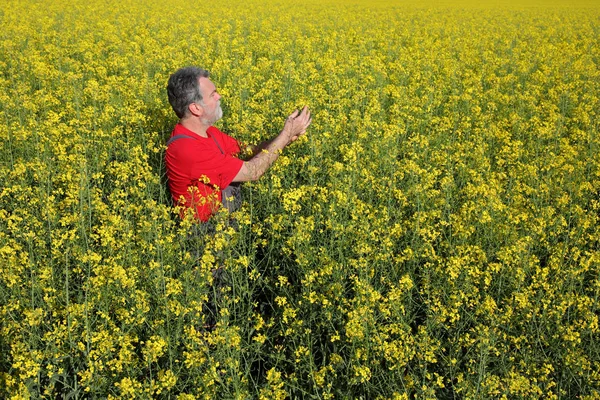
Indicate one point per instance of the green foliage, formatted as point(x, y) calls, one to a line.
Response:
point(435, 235)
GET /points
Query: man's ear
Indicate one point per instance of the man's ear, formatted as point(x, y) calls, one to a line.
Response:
point(196, 110)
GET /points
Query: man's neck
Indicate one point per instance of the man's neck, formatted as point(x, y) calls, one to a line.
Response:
point(195, 125)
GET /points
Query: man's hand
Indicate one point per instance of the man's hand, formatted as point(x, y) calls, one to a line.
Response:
point(296, 124)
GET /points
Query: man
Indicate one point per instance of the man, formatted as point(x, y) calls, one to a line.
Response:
point(202, 161)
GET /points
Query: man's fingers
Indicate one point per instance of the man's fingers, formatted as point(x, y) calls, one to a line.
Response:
point(294, 114)
point(309, 122)
point(303, 112)
point(306, 111)
point(304, 117)
point(300, 114)
point(298, 122)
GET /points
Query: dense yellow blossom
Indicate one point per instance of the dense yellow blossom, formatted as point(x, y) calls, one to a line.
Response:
point(434, 235)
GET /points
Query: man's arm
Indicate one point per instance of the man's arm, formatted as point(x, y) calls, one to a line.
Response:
point(295, 126)
point(251, 150)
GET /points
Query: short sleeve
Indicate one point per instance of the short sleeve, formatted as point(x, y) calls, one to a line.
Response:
point(232, 146)
point(218, 169)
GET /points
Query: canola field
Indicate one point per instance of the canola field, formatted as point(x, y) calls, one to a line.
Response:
point(436, 233)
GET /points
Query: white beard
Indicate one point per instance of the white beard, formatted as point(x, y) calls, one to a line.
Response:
point(218, 112)
point(216, 115)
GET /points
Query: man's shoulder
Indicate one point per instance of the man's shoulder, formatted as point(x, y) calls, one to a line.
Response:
point(178, 137)
point(182, 137)
point(180, 143)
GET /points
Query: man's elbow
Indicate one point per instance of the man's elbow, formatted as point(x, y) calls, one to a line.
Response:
point(256, 175)
point(248, 173)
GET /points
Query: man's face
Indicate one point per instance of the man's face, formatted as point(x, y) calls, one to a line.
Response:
point(211, 101)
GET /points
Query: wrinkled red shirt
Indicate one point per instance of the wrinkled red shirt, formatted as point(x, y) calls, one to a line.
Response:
point(198, 169)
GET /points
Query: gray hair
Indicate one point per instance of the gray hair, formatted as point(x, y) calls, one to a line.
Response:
point(183, 89)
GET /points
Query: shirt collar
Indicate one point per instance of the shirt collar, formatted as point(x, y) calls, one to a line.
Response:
point(182, 130)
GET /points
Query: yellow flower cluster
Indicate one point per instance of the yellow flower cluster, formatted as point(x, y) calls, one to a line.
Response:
point(436, 234)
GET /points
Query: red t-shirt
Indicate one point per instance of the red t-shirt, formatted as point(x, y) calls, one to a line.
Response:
point(197, 169)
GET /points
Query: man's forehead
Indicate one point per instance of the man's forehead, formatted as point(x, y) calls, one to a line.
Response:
point(206, 84)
